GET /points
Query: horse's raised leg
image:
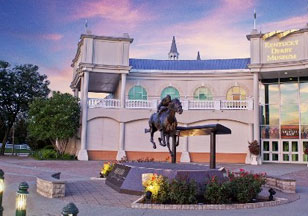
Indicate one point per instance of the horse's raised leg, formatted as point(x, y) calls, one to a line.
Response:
point(153, 130)
point(177, 137)
point(161, 139)
point(168, 144)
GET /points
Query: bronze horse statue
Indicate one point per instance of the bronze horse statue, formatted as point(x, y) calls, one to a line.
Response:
point(165, 122)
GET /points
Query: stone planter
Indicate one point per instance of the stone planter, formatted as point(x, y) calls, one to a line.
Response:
point(254, 160)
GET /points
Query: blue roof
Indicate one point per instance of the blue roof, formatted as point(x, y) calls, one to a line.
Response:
point(213, 64)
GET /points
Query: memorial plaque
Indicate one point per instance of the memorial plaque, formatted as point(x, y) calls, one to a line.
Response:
point(117, 176)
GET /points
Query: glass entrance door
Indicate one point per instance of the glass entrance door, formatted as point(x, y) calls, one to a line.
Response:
point(290, 151)
point(284, 151)
point(270, 150)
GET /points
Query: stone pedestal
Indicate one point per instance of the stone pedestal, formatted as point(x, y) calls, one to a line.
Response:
point(254, 160)
point(120, 155)
point(185, 157)
point(83, 155)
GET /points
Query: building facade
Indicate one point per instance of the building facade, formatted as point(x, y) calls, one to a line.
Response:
point(263, 98)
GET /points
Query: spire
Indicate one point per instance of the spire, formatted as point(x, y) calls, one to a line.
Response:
point(173, 54)
point(198, 56)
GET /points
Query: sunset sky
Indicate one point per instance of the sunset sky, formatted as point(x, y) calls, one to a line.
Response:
point(46, 32)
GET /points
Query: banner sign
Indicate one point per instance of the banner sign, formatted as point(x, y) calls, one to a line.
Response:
point(289, 131)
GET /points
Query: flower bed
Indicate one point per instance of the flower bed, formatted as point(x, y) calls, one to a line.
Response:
point(242, 187)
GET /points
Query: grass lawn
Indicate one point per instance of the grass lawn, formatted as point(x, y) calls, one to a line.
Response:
point(17, 151)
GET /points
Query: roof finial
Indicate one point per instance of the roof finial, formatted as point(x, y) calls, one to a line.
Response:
point(88, 31)
point(255, 19)
point(173, 54)
point(198, 56)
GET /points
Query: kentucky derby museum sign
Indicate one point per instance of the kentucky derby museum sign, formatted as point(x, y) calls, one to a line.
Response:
point(278, 47)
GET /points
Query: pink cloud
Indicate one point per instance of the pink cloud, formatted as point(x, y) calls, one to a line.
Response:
point(289, 23)
point(114, 11)
point(53, 37)
point(219, 34)
point(36, 36)
point(60, 79)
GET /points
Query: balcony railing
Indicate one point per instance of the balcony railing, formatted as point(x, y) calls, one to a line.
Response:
point(139, 104)
point(103, 103)
point(201, 105)
point(186, 104)
point(236, 104)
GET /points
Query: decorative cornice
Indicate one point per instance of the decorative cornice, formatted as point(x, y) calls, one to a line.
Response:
point(255, 34)
point(109, 38)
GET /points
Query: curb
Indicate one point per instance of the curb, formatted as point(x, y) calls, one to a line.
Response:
point(277, 201)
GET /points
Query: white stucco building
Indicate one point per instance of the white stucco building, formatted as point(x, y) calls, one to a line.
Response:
point(264, 98)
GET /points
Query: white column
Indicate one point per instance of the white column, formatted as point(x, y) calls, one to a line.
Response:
point(83, 153)
point(76, 92)
point(250, 139)
point(123, 86)
point(185, 157)
point(256, 130)
point(121, 150)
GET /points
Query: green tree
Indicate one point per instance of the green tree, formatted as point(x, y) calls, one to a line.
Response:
point(19, 86)
point(55, 119)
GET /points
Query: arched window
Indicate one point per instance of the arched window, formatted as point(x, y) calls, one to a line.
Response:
point(137, 93)
point(173, 92)
point(236, 93)
point(203, 93)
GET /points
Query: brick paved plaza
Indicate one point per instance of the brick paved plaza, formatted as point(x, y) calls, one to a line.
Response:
point(93, 197)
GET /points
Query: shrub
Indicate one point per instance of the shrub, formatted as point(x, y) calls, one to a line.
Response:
point(246, 186)
point(51, 154)
point(183, 192)
point(176, 192)
point(37, 144)
point(218, 193)
point(242, 187)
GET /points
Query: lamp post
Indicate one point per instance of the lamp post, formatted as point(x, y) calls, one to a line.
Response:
point(70, 210)
point(21, 199)
point(1, 190)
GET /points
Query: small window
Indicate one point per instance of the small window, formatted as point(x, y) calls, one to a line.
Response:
point(236, 93)
point(137, 93)
point(203, 93)
point(173, 92)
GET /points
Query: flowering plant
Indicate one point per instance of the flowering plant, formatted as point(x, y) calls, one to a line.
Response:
point(242, 187)
point(254, 147)
point(153, 182)
point(106, 169)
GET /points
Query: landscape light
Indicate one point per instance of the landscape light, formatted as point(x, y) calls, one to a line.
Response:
point(21, 199)
point(1, 190)
point(70, 210)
